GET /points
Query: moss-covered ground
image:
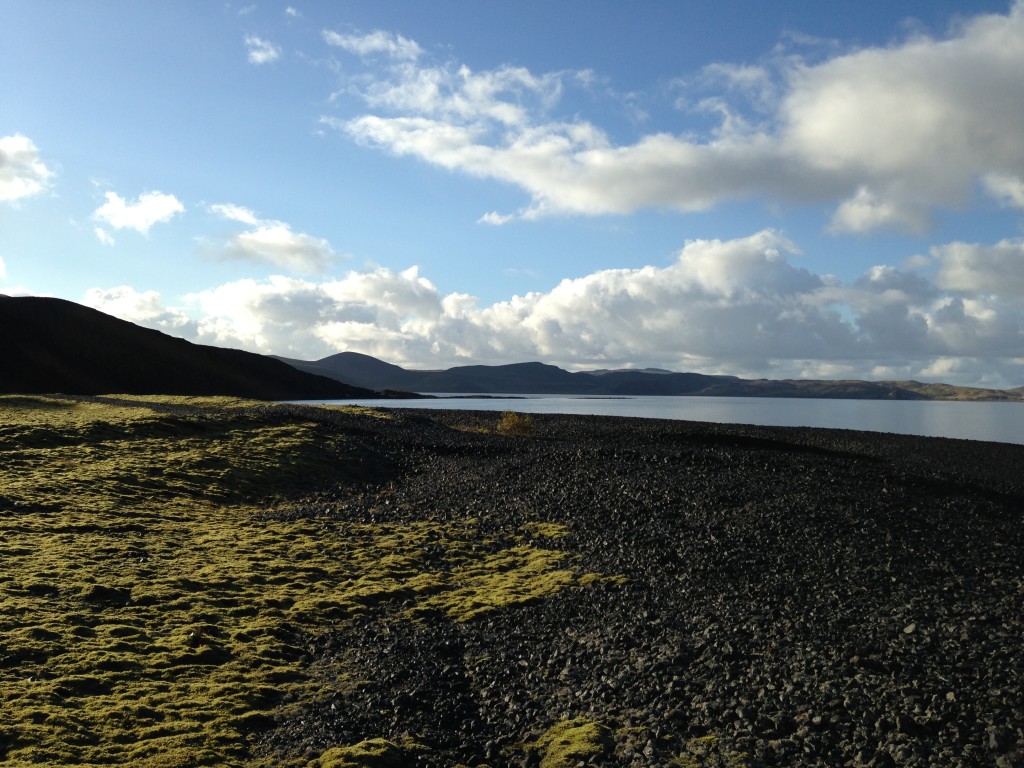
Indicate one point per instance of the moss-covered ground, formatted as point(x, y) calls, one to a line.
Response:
point(152, 612)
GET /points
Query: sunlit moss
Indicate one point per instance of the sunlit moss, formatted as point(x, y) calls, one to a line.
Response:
point(361, 410)
point(509, 577)
point(151, 613)
point(570, 742)
point(372, 753)
point(546, 530)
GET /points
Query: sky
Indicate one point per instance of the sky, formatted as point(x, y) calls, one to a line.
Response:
point(793, 189)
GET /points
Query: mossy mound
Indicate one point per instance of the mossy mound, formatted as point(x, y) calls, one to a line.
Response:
point(372, 753)
point(570, 742)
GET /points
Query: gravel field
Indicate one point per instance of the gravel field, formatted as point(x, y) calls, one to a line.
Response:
point(785, 597)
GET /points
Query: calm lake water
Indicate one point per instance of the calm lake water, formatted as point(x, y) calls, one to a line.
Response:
point(996, 422)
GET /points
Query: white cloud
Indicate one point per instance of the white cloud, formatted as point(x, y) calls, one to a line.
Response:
point(22, 173)
point(378, 41)
point(755, 83)
point(996, 270)
point(1007, 189)
point(261, 51)
point(737, 306)
point(293, 12)
point(887, 134)
point(234, 212)
point(149, 208)
point(277, 244)
point(103, 236)
point(867, 211)
point(142, 308)
point(272, 242)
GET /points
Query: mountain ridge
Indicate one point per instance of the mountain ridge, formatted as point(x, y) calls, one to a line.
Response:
point(541, 378)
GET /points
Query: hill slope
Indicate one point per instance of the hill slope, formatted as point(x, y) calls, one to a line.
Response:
point(52, 345)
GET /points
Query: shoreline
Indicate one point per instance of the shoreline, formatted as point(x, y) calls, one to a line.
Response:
point(988, 422)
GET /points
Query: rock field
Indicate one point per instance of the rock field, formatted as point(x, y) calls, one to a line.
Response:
point(782, 597)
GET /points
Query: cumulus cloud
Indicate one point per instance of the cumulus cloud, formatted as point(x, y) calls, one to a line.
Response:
point(261, 51)
point(888, 134)
point(971, 268)
point(148, 209)
point(1008, 190)
point(22, 172)
point(867, 211)
point(272, 242)
point(143, 308)
point(103, 236)
point(741, 306)
point(377, 42)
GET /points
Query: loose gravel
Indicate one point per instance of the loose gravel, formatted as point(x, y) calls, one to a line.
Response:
point(788, 597)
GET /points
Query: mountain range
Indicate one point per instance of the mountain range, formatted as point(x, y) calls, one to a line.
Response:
point(51, 345)
point(538, 378)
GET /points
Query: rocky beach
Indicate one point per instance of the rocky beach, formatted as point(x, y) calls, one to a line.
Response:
point(417, 588)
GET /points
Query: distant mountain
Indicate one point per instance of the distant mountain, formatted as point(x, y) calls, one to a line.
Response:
point(52, 345)
point(514, 378)
point(538, 378)
point(357, 369)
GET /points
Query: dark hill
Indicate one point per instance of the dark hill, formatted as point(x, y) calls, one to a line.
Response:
point(514, 378)
point(52, 345)
point(359, 370)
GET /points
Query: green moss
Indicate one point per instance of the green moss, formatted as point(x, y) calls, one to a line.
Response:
point(361, 410)
point(372, 753)
point(546, 530)
point(509, 577)
point(709, 752)
point(570, 741)
point(151, 614)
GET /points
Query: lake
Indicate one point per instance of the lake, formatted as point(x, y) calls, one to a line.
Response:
point(991, 421)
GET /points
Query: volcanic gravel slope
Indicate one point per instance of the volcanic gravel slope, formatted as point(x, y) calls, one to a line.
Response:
point(785, 597)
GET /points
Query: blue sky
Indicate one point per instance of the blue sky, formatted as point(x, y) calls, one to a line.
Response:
point(785, 189)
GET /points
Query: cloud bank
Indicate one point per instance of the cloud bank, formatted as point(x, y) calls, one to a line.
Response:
point(740, 306)
point(887, 135)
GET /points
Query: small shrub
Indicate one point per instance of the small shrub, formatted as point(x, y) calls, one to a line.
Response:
point(516, 424)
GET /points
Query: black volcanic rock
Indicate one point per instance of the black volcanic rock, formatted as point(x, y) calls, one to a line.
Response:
point(779, 597)
point(52, 345)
